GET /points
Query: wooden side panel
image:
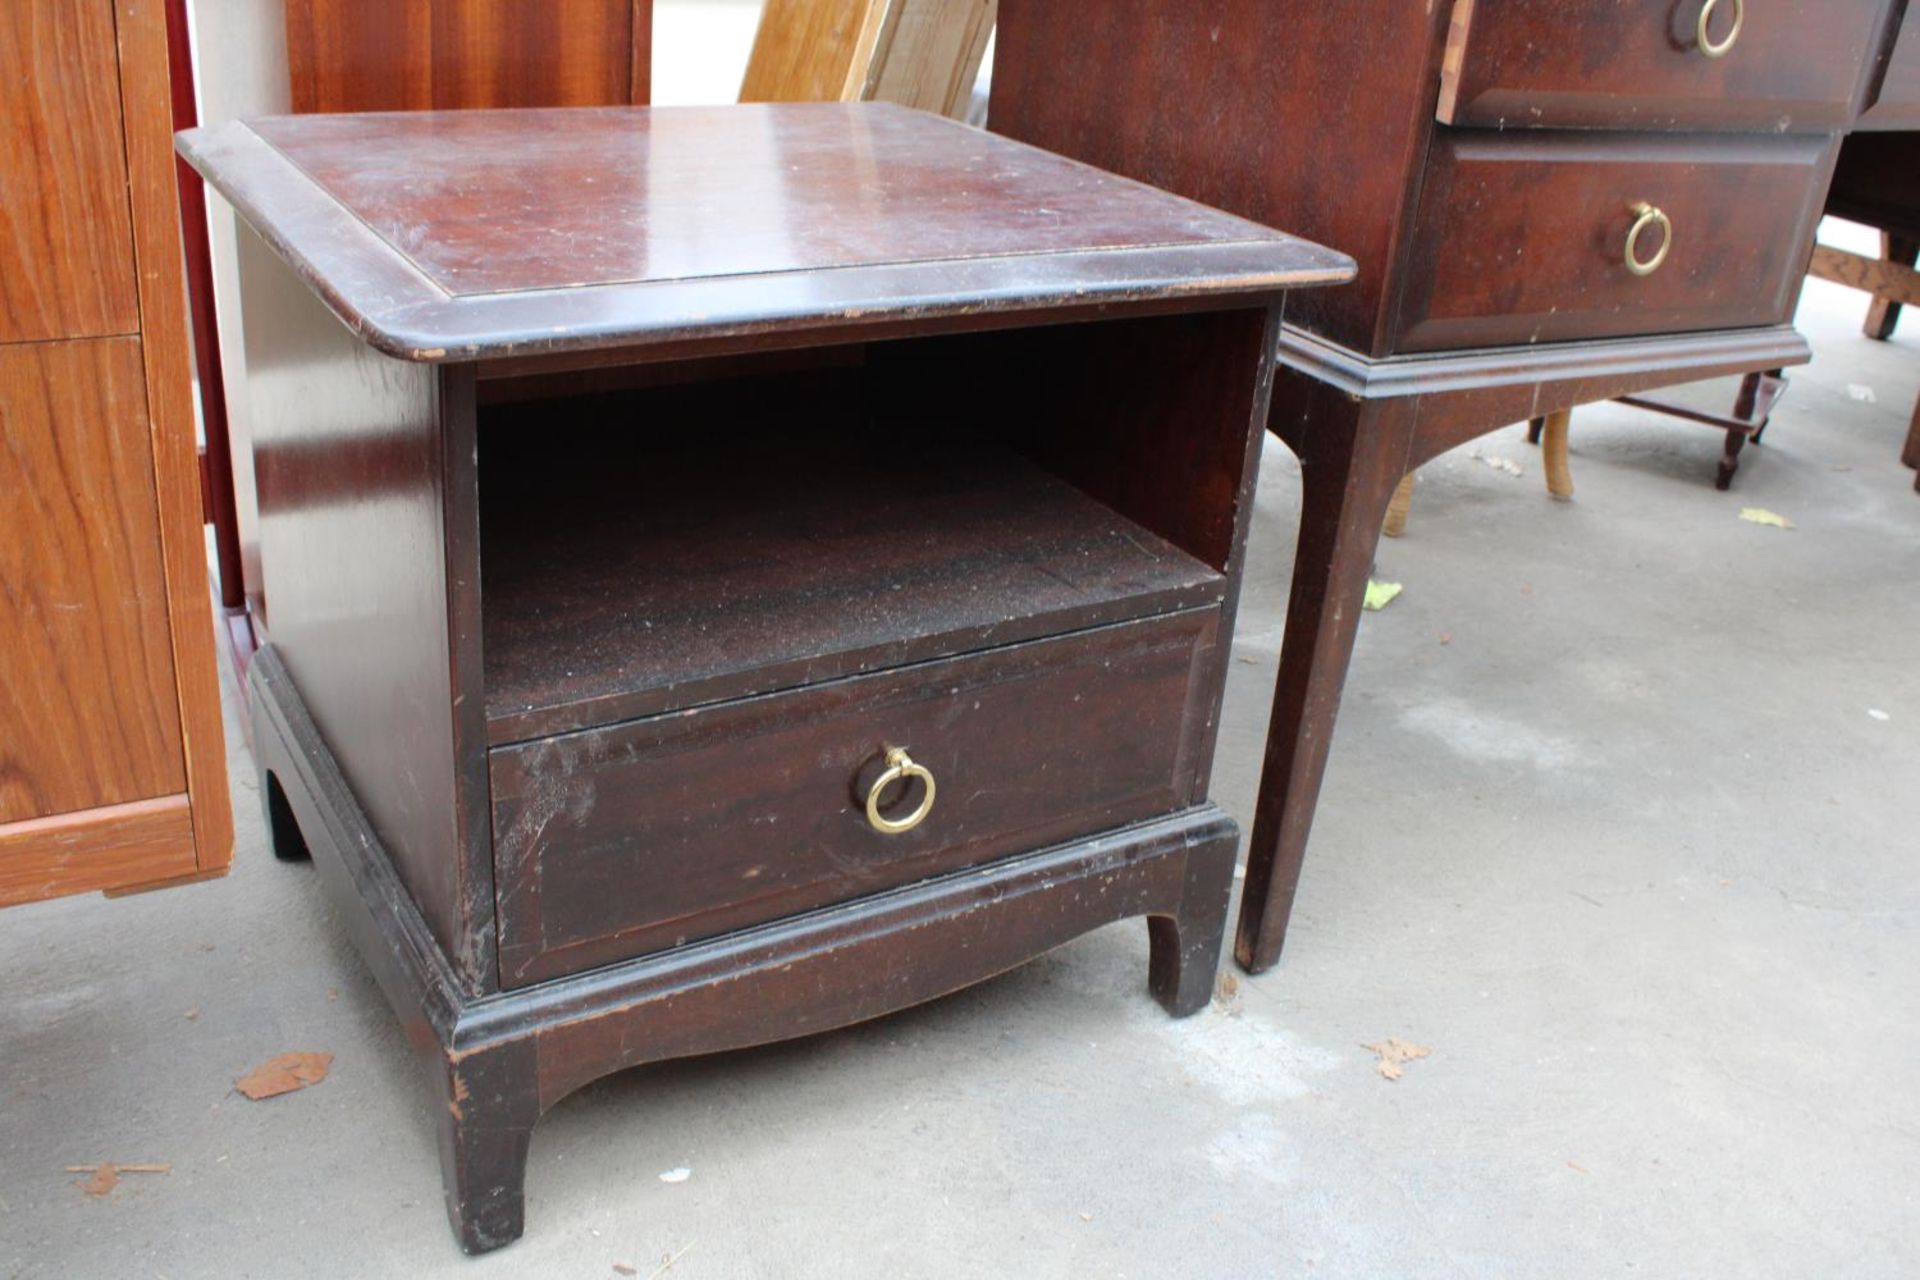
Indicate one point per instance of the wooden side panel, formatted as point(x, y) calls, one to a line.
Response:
point(87, 705)
point(353, 489)
point(414, 55)
point(115, 847)
point(165, 346)
point(1258, 107)
point(66, 256)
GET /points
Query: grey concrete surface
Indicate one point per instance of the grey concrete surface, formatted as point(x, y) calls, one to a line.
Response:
point(1609, 827)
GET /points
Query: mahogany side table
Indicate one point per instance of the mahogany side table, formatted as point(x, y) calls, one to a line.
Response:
point(735, 572)
point(1551, 202)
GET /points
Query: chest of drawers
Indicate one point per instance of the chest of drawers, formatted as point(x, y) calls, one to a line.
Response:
point(1550, 202)
point(735, 572)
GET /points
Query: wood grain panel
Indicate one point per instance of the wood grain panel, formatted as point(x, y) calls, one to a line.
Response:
point(87, 704)
point(1554, 64)
point(812, 50)
point(917, 53)
point(1308, 117)
point(416, 55)
point(66, 258)
point(929, 56)
point(1522, 235)
point(118, 846)
point(167, 356)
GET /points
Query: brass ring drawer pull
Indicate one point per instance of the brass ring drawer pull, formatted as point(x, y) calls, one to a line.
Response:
point(900, 768)
point(1648, 217)
point(1718, 49)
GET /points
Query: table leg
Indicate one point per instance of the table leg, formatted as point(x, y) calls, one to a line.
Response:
point(1911, 454)
point(1353, 454)
point(1883, 315)
point(1553, 442)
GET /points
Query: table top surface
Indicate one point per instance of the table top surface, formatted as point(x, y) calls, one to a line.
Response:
point(464, 235)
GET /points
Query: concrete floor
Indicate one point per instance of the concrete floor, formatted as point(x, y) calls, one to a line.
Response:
point(1609, 826)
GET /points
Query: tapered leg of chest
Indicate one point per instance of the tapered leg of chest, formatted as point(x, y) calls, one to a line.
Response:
point(1345, 493)
point(491, 1103)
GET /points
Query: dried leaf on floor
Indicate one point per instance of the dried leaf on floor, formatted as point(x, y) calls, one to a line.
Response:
point(1395, 1054)
point(1578, 1168)
point(107, 1176)
point(1760, 515)
point(1380, 595)
point(1226, 995)
point(284, 1074)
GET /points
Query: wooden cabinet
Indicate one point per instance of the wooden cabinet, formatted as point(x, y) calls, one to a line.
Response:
point(112, 767)
point(1551, 202)
point(655, 668)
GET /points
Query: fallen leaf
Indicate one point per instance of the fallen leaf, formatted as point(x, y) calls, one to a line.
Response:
point(676, 1175)
point(622, 1269)
point(107, 1176)
point(191, 1015)
point(1395, 1053)
point(1380, 595)
point(1576, 1168)
point(284, 1074)
point(1760, 515)
point(1446, 637)
point(1226, 995)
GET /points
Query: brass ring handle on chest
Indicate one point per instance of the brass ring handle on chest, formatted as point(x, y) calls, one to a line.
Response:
point(900, 768)
point(1648, 216)
point(1718, 48)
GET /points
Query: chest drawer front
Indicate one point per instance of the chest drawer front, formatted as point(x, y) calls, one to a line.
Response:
point(1523, 238)
point(1639, 64)
point(616, 842)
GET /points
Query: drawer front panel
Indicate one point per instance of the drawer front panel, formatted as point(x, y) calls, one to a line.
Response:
point(1522, 238)
point(615, 842)
point(1793, 65)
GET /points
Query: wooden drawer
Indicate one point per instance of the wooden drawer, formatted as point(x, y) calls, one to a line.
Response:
point(624, 840)
point(1795, 65)
point(1522, 237)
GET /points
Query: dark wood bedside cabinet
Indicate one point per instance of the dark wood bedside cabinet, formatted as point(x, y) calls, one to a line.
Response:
point(1550, 201)
point(735, 572)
